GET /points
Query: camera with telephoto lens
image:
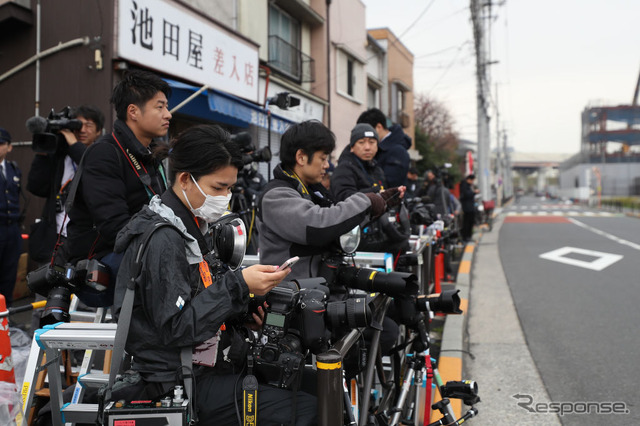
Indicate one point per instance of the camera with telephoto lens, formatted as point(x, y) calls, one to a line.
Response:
point(47, 138)
point(301, 319)
point(56, 283)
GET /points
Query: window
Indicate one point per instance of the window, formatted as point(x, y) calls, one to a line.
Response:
point(284, 47)
point(349, 71)
point(284, 26)
point(350, 77)
point(373, 95)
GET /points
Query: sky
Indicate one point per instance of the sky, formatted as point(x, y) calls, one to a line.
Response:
point(554, 58)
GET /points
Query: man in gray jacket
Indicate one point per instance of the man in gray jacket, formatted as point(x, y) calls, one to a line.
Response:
point(296, 214)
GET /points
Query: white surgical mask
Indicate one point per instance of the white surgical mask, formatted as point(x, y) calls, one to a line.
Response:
point(212, 208)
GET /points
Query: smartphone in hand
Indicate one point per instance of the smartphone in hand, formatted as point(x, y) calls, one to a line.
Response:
point(288, 263)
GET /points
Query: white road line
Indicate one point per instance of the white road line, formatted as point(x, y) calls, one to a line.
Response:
point(601, 260)
point(589, 214)
point(557, 213)
point(605, 234)
point(527, 214)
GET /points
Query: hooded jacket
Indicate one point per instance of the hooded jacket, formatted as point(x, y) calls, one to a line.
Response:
point(354, 175)
point(393, 156)
point(295, 220)
point(110, 192)
point(172, 308)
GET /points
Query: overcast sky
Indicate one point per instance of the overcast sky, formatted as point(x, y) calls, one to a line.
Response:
point(555, 58)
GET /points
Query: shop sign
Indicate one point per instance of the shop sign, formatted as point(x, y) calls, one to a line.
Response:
point(168, 37)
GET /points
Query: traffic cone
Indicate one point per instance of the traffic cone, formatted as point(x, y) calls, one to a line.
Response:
point(7, 373)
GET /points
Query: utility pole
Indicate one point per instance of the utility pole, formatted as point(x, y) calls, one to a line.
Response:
point(484, 141)
point(499, 165)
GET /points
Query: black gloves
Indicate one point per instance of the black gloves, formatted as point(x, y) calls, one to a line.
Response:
point(391, 196)
point(378, 205)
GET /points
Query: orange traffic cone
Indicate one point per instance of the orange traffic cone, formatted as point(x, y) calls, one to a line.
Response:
point(6, 363)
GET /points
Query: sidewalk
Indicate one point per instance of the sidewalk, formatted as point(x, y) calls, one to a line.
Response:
point(487, 342)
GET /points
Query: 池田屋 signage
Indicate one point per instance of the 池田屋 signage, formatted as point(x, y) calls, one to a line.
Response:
point(172, 39)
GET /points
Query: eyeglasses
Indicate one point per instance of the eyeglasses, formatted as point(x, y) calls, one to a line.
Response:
point(88, 124)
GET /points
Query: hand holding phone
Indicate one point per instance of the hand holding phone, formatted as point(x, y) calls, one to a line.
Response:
point(288, 263)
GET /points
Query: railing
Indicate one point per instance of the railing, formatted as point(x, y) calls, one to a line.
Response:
point(290, 60)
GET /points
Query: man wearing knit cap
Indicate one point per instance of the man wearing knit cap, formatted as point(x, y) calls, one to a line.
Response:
point(10, 239)
point(357, 171)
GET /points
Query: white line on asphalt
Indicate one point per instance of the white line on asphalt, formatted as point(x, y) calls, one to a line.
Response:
point(602, 260)
point(605, 234)
point(556, 213)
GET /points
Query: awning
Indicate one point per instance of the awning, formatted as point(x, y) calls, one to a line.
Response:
point(214, 105)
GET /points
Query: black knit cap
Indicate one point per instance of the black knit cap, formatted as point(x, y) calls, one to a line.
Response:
point(362, 130)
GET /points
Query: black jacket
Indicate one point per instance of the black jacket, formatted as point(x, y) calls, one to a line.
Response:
point(45, 180)
point(393, 156)
point(354, 175)
point(10, 187)
point(172, 308)
point(467, 197)
point(110, 192)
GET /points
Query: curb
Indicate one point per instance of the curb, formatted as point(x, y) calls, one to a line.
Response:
point(450, 365)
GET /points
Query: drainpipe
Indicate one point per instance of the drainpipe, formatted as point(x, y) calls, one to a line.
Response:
point(328, 65)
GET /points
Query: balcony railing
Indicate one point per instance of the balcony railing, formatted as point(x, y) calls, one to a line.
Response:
point(289, 60)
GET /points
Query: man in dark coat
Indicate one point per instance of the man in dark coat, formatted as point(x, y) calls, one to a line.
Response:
point(392, 155)
point(10, 240)
point(467, 199)
point(357, 171)
point(119, 173)
point(50, 177)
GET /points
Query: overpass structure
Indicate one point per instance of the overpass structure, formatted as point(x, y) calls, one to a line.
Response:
point(543, 165)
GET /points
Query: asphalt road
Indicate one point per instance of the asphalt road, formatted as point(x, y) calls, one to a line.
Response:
point(578, 305)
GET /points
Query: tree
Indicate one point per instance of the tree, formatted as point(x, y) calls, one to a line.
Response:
point(436, 139)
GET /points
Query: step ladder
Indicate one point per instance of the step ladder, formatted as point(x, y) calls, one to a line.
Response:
point(49, 342)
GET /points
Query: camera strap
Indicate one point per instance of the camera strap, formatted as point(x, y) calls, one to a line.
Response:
point(140, 170)
point(249, 396)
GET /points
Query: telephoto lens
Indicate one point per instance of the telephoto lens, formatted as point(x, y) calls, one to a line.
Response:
point(349, 314)
point(374, 281)
point(446, 302)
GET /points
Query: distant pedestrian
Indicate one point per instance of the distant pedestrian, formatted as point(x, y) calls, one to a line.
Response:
point(393, 154)
point(10, 240)
point(467, 199)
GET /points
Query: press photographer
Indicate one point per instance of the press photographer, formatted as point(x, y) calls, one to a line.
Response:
point(181, 301)
point(59, 143)
point(118, 175)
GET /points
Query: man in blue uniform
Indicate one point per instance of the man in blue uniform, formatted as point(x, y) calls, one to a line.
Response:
point(10, 241)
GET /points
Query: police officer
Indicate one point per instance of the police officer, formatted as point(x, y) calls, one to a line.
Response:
point(10, 242)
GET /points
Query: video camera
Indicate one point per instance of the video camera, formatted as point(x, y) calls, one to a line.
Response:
point(46, 131)
point(56, 283)
point(249, 152)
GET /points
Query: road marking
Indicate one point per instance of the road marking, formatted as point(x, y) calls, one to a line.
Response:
point(602, 260)
point(605, 234)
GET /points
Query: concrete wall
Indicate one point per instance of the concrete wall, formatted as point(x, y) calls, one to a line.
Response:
point(348, 34)
point(616, 179)
point(400, 69)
